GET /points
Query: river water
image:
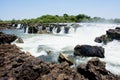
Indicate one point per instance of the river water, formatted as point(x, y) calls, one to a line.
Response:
point(41, 44)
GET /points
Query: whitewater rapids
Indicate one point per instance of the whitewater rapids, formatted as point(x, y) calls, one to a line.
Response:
point(40, 44)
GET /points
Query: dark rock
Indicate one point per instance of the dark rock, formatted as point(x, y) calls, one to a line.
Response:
point(110, 35)
point(95, 70)
point(58, 29)
point(117, 28)
point(19, 40)
point(104, 38)
point(7, 38)
point(65, 57)
point(32, 30)
point(66, 29)
point(113, 33)
point(89, 51)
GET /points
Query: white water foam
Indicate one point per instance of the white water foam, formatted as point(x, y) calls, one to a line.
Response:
point(84, 35)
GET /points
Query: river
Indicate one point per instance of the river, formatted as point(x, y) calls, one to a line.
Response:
point(41, 44)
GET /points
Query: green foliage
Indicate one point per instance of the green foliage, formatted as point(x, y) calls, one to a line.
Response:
point(62, 19)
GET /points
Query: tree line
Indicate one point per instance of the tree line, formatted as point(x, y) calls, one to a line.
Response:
point(65, 18)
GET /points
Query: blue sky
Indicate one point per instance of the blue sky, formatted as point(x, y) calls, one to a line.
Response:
point(21, 9)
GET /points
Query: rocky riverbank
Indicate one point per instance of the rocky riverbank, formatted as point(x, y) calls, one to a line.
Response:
point(18, 65)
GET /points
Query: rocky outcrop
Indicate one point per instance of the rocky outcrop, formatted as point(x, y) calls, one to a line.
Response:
point(114, 33)
point(16, 65)
point(110, 35)
point(65, 58)
point(32, 30)
point(95, 70)
point(104, 38)
point(5, 25)
point(89, 51)
point(6, 38)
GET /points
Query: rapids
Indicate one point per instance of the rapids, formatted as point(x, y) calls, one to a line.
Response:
point(40, 45)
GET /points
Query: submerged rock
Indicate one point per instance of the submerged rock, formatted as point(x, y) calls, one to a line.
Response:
point(89, 51)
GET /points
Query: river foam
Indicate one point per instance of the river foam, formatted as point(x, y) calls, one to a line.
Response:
point(41, 44)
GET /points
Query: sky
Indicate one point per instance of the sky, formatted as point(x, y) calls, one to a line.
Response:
point(21, 9)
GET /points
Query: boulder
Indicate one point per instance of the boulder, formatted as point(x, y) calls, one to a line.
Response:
point(114, 33)
point(65, 57)
point(7, 38)
point(103, 39)
point(117, 28)
point(89, 51)
point(110, 35)
point(19, 40)
point(66, 29)
point(32, 30)
point(95, 70)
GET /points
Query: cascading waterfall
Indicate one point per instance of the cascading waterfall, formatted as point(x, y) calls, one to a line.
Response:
point(26, 30)
point(62, 30)
point(18, 26)
point(54, 44)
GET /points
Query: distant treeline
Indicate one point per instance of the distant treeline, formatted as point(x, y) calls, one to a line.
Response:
point(65, 18)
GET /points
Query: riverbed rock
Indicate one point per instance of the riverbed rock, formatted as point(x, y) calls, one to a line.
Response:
point(103, 39)
point(110, 35)
point(89, 51)
point(114, 33)
point(32, 30)
point(95, 70)
point(5, 25)
point(65, 58)
point(7, 38)
point(19, 40)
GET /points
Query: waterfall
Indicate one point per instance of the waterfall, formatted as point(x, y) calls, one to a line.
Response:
point(18, 26)
point(66, 43)
point(26, 30)
point(48, 29)
point(54, 31)
point(62, 30)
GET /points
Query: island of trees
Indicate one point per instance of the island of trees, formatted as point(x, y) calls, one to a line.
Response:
point(65, 18)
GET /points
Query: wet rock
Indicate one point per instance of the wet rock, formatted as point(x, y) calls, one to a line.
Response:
point(7, 38)
point(19, 40)
point(114, 33)
point(103, 39)
point(65, 57)
point(95, 70)
point(32, 30)
point(89, 51)
point(110, 35)
point(62, 72)
point(58, 29)
point(117, 28)
point(66, 29)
